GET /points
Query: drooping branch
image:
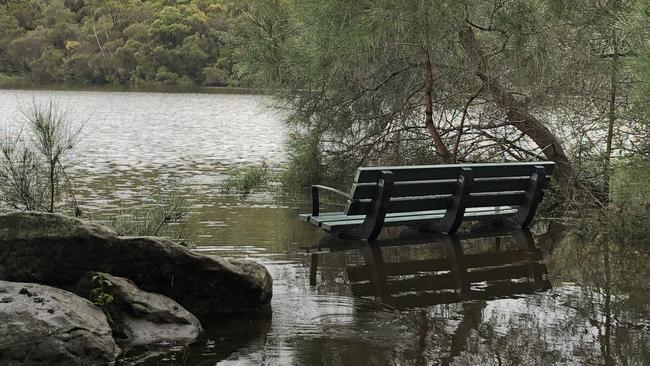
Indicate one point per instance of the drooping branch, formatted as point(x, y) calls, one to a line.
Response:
point(517, 113)
point(441, 148)
point(462, 122)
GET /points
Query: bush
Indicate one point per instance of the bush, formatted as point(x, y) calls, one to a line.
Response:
point(304, 167)
point(215, 76)
point(33, 165)
point(164, 76)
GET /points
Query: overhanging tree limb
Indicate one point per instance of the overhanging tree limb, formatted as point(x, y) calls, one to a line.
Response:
point(517, 114)
point(441, 148)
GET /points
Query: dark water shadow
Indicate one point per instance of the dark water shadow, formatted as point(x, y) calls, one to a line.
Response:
point(223, 338)
point(452, 277)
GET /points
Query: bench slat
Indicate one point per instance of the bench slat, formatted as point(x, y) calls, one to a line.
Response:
point(307, 216)
point(452, 171)
point(418, 219)
point(341, 216)
point(443, 186)
point(410, 204)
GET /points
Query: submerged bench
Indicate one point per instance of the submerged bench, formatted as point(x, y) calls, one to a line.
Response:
point(434, 197)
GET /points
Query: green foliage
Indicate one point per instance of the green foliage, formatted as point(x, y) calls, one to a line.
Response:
point(246, 180)
point(34, 159)
point(101, 295)
point(119, 42)
point(304, 167)
point(168, 216)
point(631, 183)
point(509, 80)
point(629, 214)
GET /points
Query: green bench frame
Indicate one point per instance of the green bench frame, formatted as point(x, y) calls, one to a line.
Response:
point(434, 197)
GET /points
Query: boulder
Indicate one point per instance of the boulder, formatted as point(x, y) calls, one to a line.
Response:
point(41, 325)
point(57, 250)
point(140, 318)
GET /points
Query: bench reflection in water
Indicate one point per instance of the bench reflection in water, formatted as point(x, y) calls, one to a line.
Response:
point(496, 271)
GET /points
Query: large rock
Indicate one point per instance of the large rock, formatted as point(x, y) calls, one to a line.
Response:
point(58, 250)
point(140, 318)
point(41, 325)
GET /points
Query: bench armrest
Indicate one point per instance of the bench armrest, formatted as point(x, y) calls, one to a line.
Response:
point(315, 210)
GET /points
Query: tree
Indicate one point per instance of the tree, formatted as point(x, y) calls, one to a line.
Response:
point(33, 166)
point(97, 40)
point(492, 80)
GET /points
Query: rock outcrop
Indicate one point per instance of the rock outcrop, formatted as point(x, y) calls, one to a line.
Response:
point(140, 318)
point(41, 325)
point(57, 250)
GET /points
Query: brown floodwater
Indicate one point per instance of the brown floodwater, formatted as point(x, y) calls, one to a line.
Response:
point(510, 298)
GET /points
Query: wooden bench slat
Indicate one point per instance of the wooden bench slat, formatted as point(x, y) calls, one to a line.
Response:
point(443, 187)
point(451, 171)
point(427, 203)
point(340, 216)
point(307, 216)
point(413, 220)
point(488, 199)
point(317, 220)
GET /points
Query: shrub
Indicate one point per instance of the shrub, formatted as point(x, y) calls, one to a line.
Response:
point(33, 165)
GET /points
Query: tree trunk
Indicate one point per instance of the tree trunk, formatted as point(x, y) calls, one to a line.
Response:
point(52, 185)
point(612, 117)
point(517, 113)
point(441, 148)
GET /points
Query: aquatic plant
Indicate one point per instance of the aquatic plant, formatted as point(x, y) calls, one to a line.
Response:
point(168, 216)
point(245, 180)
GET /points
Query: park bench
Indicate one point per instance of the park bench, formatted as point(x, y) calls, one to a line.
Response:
point(434, 197)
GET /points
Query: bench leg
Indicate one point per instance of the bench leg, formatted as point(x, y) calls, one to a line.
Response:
point(374, 220)
point(534, 195)
point(456, 210)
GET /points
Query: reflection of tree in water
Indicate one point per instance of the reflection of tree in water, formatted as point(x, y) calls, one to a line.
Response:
point(604, 321)
point(601, 322)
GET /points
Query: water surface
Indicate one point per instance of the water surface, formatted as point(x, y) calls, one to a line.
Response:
point(560, 300)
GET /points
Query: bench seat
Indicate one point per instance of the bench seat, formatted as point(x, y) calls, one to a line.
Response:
point(336, 221)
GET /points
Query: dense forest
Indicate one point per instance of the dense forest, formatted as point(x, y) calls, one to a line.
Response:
point(115, 41)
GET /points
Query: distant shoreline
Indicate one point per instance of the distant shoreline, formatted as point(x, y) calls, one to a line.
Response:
point(132, 88)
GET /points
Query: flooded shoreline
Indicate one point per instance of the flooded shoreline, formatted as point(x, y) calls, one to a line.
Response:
point(140, 145)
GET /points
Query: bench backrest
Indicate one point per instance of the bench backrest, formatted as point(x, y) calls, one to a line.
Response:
point(429, 187)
